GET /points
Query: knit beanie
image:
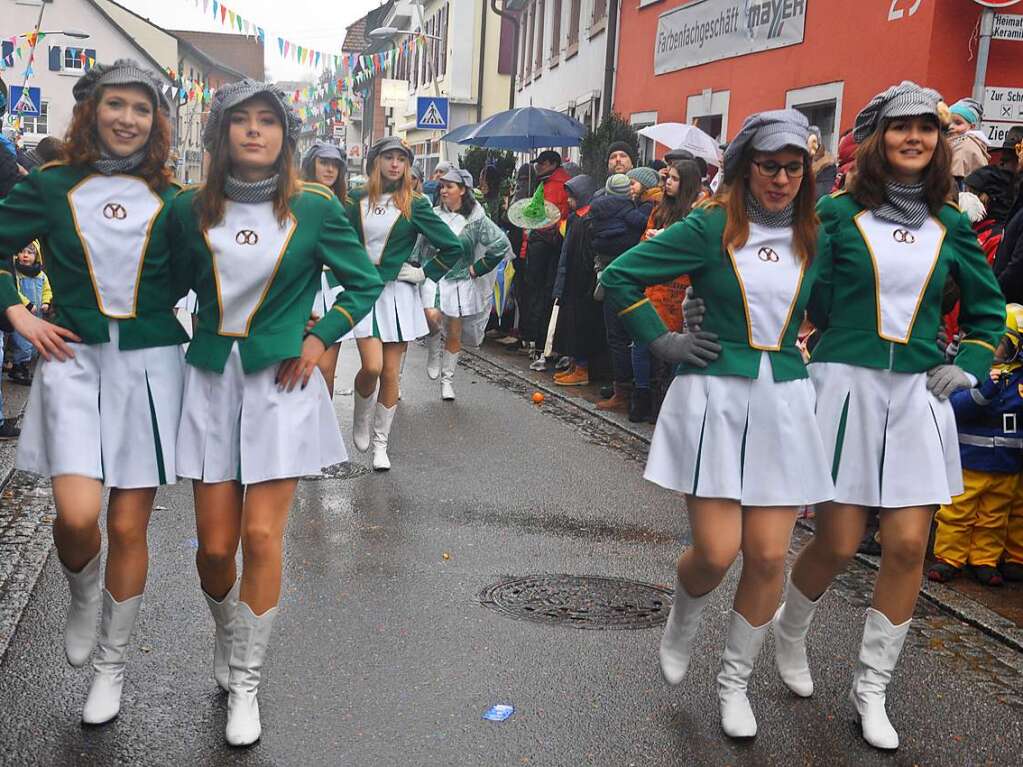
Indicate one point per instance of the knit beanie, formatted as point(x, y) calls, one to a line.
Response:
point(617, 185)
point(622, 146)
point(647, 177)
point(969, 109)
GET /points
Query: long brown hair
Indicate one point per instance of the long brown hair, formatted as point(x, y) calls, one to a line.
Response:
point(401, 195)
point(82, 146)
point(672, 209)
point(804, 221)
point(210, 199)
point(873, 171)
point(339, 187)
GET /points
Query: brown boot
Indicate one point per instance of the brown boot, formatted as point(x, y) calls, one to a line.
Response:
point(619, 401)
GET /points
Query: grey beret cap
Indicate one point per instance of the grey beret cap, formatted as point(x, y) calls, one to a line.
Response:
point(907, 99)
point(121, 72)
point(325, 151)
point(769, 131)
point(233, 94)
point(458, 176)
point(417, 171)
point(387, 144)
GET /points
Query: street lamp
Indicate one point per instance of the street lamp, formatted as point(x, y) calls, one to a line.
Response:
point(67, 32)
point(386, 33)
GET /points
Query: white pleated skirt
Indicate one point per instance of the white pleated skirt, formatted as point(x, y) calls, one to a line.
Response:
point(889, 441)
point(459, 298)
point(107, 414)
point(238, 426)
point(750, 440)
point(396, 316)
point(325, 297)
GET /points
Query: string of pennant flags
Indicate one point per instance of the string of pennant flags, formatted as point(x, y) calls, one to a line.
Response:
point(333, 98)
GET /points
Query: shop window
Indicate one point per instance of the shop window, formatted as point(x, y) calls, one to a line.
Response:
point(541, 8)
point(823, 116)
point(647, 147)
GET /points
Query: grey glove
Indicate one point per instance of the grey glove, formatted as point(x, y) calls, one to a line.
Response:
point(598, 292)
point(697, 349)
point(942, 380)
point(411, 274)
point(693, 310)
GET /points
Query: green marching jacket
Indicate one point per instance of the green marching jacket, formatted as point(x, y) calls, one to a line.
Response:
point(485, 245)
point(877, 308)
point(402, 238)
point(255, 280)
point(106, 252)
point(694, 246)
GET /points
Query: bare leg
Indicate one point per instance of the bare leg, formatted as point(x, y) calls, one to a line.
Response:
point(392, 354)
point(453, 342)
point(839, 530)
point(264, 518)
point(76, 529)
point(371, 354)
point(716, 526)
point(904, 534)
point(128, 553)
point(766, 535)
point(328, 364)
point(218, 520)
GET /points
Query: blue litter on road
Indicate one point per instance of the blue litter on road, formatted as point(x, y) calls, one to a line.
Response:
point(193, 543)
point(498, 713)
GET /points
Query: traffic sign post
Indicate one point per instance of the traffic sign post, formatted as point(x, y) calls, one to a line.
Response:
point(432, 113)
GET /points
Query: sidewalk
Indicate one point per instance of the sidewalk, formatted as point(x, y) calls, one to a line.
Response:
point(997, 611)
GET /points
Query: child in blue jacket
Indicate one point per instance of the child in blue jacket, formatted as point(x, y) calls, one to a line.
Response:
point(971, 530)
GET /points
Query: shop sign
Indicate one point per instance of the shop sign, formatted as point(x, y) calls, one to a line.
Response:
point(711, 30)
point(1008, 26)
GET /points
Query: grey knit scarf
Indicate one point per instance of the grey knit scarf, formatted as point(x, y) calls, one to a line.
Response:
point(904, 204)
point(251, 191)
point(107, 164)
point(771, 219)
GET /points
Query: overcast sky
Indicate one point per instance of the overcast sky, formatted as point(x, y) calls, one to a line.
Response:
point(316, 24)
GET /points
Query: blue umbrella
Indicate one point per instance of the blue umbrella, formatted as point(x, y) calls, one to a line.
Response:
point(459, 133)
point(526, 128)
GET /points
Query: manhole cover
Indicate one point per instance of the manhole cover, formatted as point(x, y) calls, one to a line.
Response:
point(346, 470)
point(584, 602)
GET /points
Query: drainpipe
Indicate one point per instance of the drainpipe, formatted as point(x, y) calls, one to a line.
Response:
point(987, 26)
point(611, 57)
point(513, 18)
point(482, 64)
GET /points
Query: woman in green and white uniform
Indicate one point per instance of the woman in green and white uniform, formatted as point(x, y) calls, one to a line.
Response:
point(104, 409)
point(736, 432)
point(257, 415)
point(388, 216)
point(324, 164)
point(882, 388)
point(467, 291)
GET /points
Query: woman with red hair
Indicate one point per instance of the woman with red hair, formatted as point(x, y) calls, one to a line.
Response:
point(105, 402)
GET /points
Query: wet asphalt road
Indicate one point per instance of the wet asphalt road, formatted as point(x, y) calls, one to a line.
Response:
point(383, 655)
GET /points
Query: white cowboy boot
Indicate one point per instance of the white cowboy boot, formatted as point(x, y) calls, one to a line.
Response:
point(879, 652)
point(741, 649)
point(80, 628)
point(447, 375)
point(434, 347)
point(381, 431)
point(362, 420)
point(250, 634)
point(679, 633)
point(790, 624)
point(118, 620)
point(222, 612)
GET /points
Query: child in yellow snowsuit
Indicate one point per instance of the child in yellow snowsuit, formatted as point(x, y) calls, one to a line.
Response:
point(971, 530)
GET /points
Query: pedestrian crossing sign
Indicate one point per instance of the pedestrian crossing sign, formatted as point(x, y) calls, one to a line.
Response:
point(432, 113)
point(26, 101)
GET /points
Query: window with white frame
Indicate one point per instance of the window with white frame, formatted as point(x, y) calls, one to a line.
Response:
point(31, 123)
point(708, 111)
point(822, 105)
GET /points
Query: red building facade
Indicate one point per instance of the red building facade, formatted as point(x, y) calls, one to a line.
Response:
point(713, 62)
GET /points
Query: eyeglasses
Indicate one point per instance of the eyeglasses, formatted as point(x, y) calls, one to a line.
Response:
point(770, 169)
